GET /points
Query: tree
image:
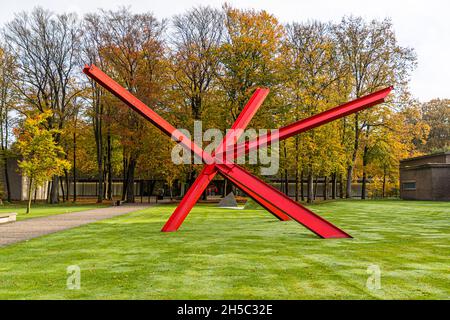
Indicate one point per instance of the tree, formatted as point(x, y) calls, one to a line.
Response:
point(46, 47)
point(196, 39)
point(8, 100)
point(392, 139)
point(248, 55)
point(133, 50)
point(69, 141)
point(95, 27)
point(312, 77)
point(375, 60)
point(436, 113)
point(197, 35)
point(42, 158)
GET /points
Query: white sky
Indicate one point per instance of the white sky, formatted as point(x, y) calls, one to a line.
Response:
point(421, 24)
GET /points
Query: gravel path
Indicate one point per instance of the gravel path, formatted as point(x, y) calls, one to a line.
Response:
point(31, 228)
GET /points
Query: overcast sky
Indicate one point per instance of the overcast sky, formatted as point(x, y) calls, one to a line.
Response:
point(421, 24)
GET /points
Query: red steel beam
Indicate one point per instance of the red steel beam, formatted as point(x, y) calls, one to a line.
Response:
point(190, 198)
point(302, 215)
point(322, 118)
point(276, 212)
point(137, 105)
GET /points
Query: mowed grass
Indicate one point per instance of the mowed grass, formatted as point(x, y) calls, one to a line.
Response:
point(44, 209)
point(241, 254)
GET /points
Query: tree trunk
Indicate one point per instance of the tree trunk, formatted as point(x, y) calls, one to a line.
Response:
point(30, 184)
point(130, 180)
point(4, 137)
point(348, 188)
point(281, 181)
point(8, 187)
point(66, 177)
point(49, 186)
point(109, 150)
point(151, 185)
point(105, 177)
point(302, 189)
point(333, 186)
point(310, 187)
point(192, 173)
point(74, 167)
point(363, 186)
point(125, 177)
point(286, 176)
point(325, 188)
point(297, 189)
point(341, 186)
point(229, 187)
point(384, 184)
point(204, 195)
point(354, 154)
point(54, 190)
point(98, 134)
point(364, 176)
point(286, 183)
point(99, 168)
point(316, 182)
point(100, 179)
point(61, 183)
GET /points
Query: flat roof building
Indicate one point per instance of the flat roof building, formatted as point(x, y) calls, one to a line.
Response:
point(426, 177)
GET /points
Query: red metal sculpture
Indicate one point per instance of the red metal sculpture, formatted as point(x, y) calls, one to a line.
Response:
point(270, 198)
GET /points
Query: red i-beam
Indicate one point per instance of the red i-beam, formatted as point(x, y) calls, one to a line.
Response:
point(270, 198)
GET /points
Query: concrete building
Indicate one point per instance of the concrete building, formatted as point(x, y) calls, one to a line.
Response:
point(426, 177)
point(19, 184)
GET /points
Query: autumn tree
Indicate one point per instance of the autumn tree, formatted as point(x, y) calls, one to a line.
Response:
point(391, 140)
point(194, 61)
point(247, 61)
point(133, 49)
point(436, 114)
point(248, 56)
point(83, 149)
point(375, 60)
point(74, 130)
point(313, 77)
point(41, 157)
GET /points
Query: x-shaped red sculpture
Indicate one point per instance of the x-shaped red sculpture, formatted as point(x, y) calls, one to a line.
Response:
point(280, 205)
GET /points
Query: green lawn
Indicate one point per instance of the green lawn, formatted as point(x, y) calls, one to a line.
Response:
point(242, 254)
point(43, 209)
